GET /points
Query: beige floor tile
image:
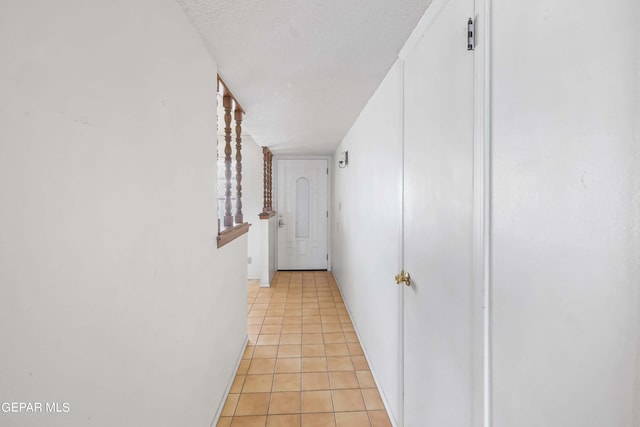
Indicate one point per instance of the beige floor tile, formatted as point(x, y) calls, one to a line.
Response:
point(287, 382)
point(379, 419)
point(243, 367)
point(273, 312)
point(316, 401)
point(348, 400)
point(292, 320)
point(312, 328)
point(348, 327)
point(350, 337)
point(292, 420)
point(224, 422)
point(253, 404)
point(258, 383)
point(312, 339)
point(343, 379)
point(307, 320)
point(229, 407)
point(291, 329)
point(372, 399)
point(326, 302)
point(271, 339)
point(365, 379)
point(290, 350)
point(238, 382)
point(345, 319)
point(330, 319)
point(262, 366)
point(314, 364)
point(288, 365)
point(331, 327)
point(340, 363)
point(333, 337)
point(318, 420)
point(360, 363)
point(339, 349)
point(315, 381)
point(270, 329)
point(313, 350)
point(265, 352)
point(254, 329)
point(355, 349)
point(273, 320)
point(286, 402)
point(352, 419)
point(250, 421)
point(291, 339)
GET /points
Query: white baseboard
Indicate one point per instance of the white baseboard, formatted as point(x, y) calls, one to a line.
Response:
point(229, 384)
point(385, 401)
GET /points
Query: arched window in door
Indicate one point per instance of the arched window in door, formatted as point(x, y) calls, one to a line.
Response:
point(303, 210)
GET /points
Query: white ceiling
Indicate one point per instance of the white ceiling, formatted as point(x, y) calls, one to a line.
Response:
point(303, 69)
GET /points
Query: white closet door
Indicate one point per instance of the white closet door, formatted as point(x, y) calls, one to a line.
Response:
point(438, 213)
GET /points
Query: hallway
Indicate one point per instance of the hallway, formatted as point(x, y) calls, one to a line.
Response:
point(303, 365)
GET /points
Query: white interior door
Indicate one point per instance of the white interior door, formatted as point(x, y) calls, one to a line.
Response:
point(438, 223)
point(302, 214)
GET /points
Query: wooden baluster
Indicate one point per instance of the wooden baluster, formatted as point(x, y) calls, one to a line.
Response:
point(238, 116)
point(265, 171)
point(270, 181)
point(227, 103)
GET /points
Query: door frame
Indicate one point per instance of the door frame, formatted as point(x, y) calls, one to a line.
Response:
point(329, 160)
point(482, 371)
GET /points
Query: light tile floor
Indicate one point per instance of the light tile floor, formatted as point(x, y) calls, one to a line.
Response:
point(303, 365)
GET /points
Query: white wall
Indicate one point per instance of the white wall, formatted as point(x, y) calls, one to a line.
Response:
point(252, 192)
point(268, 240)
point(566, 214)
point(366, 230)
point(114, 295)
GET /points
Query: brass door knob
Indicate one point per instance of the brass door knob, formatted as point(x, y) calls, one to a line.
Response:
point(403, 277)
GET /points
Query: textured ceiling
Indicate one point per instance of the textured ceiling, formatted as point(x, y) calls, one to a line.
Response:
point(303, 69)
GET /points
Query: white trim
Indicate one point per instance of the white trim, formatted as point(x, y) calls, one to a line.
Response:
point(216, 417)
point(486, 112)
point(431, 14)
point(487, 372)
point(400, 415)
point(482, 217)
